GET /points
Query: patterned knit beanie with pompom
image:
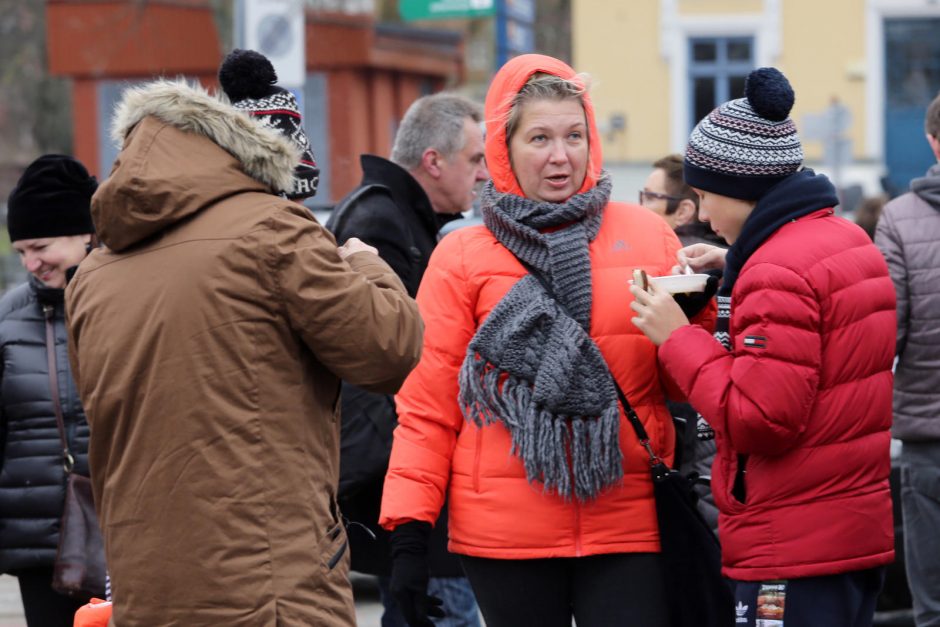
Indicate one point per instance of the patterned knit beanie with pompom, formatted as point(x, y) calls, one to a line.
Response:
point(248, 79)
point(748, 145)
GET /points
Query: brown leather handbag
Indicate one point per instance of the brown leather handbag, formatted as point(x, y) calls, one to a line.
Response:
point(79, 569)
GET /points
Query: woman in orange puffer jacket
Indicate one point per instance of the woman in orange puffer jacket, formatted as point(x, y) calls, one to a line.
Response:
point(512, 408)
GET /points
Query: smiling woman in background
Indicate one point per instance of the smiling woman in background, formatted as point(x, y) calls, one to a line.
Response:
point(51, 229)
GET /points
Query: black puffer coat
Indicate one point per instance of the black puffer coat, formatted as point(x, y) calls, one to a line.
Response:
point(32, 479)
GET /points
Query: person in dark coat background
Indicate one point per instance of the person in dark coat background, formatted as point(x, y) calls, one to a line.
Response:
point(51, 228)
point(401, 204)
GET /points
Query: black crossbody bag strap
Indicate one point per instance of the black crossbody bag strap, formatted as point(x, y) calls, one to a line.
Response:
point(627, 408)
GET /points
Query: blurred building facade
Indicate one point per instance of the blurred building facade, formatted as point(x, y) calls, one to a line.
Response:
point(548, 33)
point(360, 75)
point(863, 71)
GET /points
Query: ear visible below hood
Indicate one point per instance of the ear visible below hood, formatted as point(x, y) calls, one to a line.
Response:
point(508, 81)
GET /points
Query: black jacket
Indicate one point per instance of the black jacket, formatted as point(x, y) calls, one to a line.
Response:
point(391, 211)
point(32, 479)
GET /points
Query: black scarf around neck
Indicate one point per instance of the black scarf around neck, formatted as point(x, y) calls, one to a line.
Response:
point(798, 195)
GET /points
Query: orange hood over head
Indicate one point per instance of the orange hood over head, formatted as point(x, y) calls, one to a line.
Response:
point(506, 84)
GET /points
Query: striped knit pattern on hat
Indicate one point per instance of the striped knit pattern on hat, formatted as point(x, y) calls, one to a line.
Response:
point(533, 368)
point(746, 146)
point(248, 78)
point(279, 111)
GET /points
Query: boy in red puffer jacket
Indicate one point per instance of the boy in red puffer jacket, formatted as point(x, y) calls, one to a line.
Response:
point(798, 387)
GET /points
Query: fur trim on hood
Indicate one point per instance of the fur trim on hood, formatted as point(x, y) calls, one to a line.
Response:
point(265, 155)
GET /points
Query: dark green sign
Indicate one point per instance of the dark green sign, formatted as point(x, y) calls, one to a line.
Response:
point(445, 9)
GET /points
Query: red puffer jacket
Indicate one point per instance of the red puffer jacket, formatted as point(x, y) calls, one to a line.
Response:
point(805, 394)
point(494, 511)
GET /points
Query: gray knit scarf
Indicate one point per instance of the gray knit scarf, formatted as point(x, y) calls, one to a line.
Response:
point(535, 369)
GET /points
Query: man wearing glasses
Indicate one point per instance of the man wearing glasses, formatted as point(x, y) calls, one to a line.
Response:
point(667, 194)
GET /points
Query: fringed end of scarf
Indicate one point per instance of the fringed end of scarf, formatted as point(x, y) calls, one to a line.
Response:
point(571, 456)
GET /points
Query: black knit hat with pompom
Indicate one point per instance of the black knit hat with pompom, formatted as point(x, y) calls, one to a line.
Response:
point(748, 145)
point(249, 80)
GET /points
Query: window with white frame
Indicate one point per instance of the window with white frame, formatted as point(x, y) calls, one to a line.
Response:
point(718, 67)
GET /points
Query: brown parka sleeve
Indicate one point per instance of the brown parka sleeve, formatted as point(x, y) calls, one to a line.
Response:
point(354, 314)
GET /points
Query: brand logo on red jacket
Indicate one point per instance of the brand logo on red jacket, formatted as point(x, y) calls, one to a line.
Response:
point(755, 341)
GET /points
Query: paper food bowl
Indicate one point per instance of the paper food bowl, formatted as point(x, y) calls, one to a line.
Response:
point(680, 283)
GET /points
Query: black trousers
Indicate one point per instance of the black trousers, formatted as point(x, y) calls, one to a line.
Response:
point(623, 589)
point(43, 606)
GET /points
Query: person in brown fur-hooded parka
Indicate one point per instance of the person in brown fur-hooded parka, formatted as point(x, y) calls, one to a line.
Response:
point(208, 337)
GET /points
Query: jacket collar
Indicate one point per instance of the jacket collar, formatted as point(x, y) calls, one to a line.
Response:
point(46, 295)
point(800, 194)
point(405, 189)
point(928, 187)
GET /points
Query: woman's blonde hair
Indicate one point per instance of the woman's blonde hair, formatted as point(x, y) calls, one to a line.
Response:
point(542, 86)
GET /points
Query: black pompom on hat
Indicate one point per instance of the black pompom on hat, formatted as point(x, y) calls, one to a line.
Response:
point(746, 146)
point(51, 199)
point(249, 80)
point(769, 93)
point(247, 75)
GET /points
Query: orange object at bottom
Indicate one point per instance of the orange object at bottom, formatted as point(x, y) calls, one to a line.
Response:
point(95, 613)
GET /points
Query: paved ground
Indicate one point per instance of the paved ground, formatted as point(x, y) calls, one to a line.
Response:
point(11, 611)
point(368, 607)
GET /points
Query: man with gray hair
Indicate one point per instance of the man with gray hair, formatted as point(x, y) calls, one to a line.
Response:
point(436, 165)
point(401, 204)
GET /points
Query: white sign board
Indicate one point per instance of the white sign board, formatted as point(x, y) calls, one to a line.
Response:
point(275, 28)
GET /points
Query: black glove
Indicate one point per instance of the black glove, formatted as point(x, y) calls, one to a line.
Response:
point(409, 583)
point(694, 302)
